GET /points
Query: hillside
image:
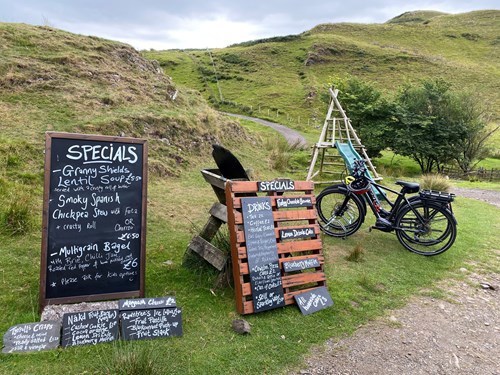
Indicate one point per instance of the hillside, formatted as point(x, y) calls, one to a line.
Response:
point(286, 77)
point(55, 80)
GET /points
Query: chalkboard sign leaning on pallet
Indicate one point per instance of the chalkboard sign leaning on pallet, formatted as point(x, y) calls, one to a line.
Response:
point(94, 218)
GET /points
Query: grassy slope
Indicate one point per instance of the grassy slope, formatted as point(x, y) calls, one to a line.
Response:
point(290, 74)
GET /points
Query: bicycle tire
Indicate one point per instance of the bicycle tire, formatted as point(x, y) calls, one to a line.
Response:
point(430, 232)
point(336, 219)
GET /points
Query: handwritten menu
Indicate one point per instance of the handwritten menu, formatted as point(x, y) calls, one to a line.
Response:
point(93, 232)
point(90, 327)
point(299, 265)
point(313, 300)
point(262, 252)
point(151, 323)
point(32, 337)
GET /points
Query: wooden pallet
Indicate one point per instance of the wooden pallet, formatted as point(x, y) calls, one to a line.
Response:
point(303, 249)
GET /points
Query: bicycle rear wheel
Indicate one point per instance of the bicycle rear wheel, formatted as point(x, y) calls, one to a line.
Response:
point(426, 228)
point(340, 213)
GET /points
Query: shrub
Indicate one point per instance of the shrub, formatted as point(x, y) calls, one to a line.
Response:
point(436, 182)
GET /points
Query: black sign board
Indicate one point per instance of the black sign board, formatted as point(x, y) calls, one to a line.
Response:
point(296, 233)
point(93, 240)
point(313, 300)
point(32, 337)
point(146, 303)
point(90, 327)
point(299, 265)
point(294, 202)
point(262, 252)
point(151, 323)
point(276, 185)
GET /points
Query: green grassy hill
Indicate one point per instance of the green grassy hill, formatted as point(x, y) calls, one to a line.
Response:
point(55, 80)
point(286, 77)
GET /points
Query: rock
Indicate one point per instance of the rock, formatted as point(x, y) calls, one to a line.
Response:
point(241, 326)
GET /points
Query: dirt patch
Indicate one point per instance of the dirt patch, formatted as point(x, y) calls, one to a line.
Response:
point(459, 335)
point(489, 196)
point(456, 335)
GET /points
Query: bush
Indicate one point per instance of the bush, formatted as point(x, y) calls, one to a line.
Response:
point(436, 182)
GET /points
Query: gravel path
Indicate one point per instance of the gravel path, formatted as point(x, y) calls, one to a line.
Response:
point(291, 136)
point(457, 335)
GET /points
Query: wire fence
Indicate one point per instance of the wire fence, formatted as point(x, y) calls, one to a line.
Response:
point(479, 174)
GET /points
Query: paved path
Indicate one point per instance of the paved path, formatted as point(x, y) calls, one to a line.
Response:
point(291, 136)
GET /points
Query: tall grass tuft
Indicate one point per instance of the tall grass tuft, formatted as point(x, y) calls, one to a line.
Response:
point(16, 218)
point(131, 360)
point(436, 182)
point(356, 255)
point(281, 152)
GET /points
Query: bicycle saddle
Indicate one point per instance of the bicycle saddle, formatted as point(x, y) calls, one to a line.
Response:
point(408, 187)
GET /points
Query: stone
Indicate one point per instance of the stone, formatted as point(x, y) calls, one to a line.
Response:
point(241, 326)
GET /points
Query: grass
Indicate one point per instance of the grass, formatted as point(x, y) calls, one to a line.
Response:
point(385, 279)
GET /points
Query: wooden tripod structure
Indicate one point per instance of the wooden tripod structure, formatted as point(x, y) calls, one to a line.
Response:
point(338, 146)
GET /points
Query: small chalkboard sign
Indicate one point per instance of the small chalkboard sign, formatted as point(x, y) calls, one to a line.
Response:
point(294, 202)
point(276, 185)
point(262, 252)
point(94, 217)
point(297, 233)
point(32, 337)
point(90, 327)
point(146, 303)
point(300, 265)
point(313, 300)
point(151, 323)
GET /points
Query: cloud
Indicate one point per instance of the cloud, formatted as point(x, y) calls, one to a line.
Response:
point(164, 24)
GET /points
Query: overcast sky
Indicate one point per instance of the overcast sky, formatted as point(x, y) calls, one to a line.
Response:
point(166, 24)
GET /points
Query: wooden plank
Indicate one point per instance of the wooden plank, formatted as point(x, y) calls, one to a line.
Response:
point(287, 247)
point(210, 229)
point(251, 186)
point(219, 211)
point(237, 200)
point(296, 215)
point(208, 252)
point(315, 227)
point(245, 271)
point(293, 280)
point(213, 177)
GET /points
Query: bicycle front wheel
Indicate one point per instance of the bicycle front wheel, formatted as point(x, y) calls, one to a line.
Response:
point(426, 228)
point(340, 213)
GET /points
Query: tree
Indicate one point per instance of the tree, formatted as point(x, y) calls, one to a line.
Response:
point(432, 123)
point(473, 146)
point(370, 113)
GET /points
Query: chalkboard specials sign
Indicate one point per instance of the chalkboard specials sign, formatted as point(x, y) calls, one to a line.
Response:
point(32, 337)
point(262, 252)
point(94, 218)
point(90, 327)
point(150, 318)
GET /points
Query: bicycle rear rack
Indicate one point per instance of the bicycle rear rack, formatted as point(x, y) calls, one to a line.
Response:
point(437, 195)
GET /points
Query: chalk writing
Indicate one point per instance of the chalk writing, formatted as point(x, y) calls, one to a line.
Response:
point(94, 220)
point(32, 337)
point(262, 253)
